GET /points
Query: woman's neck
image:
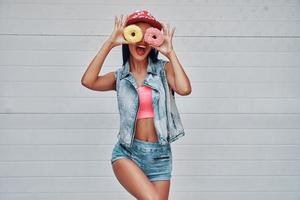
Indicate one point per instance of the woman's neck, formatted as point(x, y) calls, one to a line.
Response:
point(138, 66)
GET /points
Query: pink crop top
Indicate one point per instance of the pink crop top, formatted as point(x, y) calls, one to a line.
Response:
point(145, 99)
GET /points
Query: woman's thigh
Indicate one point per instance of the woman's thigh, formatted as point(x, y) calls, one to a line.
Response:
point(133, 179)
point(163, 188)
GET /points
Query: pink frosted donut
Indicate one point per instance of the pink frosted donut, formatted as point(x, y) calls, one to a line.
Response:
point(154, 36)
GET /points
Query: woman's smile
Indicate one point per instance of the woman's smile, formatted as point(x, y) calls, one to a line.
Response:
point(140, 49)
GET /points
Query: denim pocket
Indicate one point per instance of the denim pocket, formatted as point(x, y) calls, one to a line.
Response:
point(125, 149)
point(162, 157)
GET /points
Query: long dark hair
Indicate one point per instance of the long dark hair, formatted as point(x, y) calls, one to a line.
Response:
point(153, 54)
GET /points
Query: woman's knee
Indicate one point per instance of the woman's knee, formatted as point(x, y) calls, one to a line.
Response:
point(151, 196)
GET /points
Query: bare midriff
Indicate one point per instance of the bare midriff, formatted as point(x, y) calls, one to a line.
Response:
point(145, 130)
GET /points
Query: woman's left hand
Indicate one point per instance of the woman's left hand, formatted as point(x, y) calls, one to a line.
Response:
point(166, 46)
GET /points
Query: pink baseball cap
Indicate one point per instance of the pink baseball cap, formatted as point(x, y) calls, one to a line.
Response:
point(143, 16)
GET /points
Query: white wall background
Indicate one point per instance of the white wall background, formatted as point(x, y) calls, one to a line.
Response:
point(242, 119)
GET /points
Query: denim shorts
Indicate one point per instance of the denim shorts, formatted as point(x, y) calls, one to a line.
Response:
point(154, 159)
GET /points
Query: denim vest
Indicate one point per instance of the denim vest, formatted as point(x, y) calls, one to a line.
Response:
point(167, 121)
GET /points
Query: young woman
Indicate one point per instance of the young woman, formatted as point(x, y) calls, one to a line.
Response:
point(145, 85)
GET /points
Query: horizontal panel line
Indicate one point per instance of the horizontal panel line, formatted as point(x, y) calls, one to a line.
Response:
point(113, 97)
point(174, 21)
point(117, 113)
point(117, 129)
point(225, 128)
point(110, 144)
point(175, 159)
point(196, 81)
point(175, 191)
point(74, 177)
point(178, 51)
point(196, 36)
point(186, 66)
point(199, 4)
point(12, 177)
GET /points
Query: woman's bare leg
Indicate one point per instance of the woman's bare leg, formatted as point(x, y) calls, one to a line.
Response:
point(163, 188)
point(133, 179)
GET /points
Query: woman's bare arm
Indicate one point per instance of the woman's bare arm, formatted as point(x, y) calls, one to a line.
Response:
point(90, 78)
point(177, 78)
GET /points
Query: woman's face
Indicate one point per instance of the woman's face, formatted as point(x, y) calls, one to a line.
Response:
point(140, 53)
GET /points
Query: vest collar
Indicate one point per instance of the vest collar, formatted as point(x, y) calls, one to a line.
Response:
point(151, 68)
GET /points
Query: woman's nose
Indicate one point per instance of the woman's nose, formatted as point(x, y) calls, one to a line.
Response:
point(142, 42)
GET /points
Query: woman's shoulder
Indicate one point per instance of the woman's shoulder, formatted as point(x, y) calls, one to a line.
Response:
point(162, 64)
point(118, 72)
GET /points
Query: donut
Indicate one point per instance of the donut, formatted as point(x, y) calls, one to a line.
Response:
point(154, 36)
point(133, 33)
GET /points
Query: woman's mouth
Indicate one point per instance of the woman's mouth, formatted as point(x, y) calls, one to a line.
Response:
point(140, 49)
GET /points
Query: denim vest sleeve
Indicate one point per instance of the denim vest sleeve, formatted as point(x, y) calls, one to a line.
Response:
point(117, 77)
point(175, 126)
point(163, 73)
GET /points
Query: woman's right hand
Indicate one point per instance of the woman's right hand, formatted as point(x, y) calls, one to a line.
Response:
point(116, 36)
